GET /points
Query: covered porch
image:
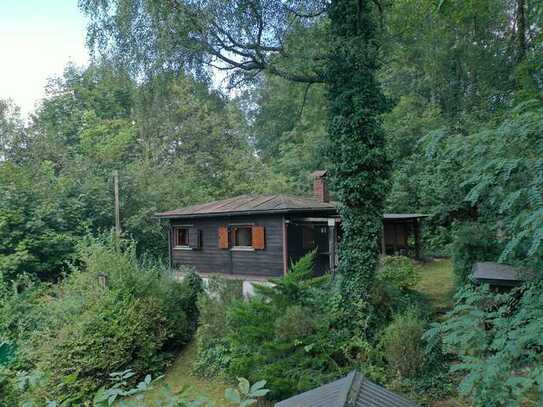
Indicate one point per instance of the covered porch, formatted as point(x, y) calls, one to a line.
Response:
point(401, 236)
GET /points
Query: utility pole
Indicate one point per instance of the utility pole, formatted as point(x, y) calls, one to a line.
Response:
point(117, 205)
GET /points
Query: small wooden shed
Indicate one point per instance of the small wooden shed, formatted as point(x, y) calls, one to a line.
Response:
point(353, 390)
point(500, 276)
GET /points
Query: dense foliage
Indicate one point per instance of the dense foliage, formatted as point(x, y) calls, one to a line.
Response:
point(56, 182)
point(111, 313)
point(292, 334)
point(498, 338)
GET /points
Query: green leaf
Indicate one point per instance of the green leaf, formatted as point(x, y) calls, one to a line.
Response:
point(258, 385)
point(244, 385)
point(232, 395)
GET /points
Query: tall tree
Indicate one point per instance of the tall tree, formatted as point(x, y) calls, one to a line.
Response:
point(359, 163)
point(11, 128)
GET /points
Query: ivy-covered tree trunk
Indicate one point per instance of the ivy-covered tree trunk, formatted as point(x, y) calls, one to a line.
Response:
point(359, 165)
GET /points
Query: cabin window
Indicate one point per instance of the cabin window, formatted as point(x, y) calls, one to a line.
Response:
point(242, 236)
point(308, 237)
point(181, 237)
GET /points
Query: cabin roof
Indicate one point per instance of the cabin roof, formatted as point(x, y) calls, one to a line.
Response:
point(499, 274)
point(266, 204)
point(351, 390)
point(249, 204)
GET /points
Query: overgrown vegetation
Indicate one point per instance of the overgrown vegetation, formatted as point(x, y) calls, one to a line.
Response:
point(444, 96)
point(497, 338)
point(292, 334)
point(74, 334)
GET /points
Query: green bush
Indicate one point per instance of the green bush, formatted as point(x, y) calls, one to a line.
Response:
point(88, 330)
point(399, 271)
point(213, 350)
point(292, 333)
point(403, 345)
point(473, 242)
point(288, 334)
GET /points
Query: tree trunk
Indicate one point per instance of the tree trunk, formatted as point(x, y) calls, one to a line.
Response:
point(521, 30)
point(359, 166)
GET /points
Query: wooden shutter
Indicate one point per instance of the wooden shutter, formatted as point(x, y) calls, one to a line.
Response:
point(195, 238)
point(259, 241)
point(223, 237)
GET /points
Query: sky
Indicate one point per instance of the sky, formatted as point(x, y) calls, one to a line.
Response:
point(37, 39)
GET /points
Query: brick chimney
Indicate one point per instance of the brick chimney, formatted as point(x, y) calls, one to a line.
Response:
point(320, 189)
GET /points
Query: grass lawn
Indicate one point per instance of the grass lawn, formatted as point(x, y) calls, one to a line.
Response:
point(437, 284)
point(180, 375)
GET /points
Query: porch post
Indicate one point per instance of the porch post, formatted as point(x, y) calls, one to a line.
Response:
point(285, 247)
point(417, 238)
point(383, 244)
point(170, 244)
point(395, 242)
point(332, 245)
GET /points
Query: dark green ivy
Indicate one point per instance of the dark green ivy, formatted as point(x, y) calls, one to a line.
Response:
point(359, 164)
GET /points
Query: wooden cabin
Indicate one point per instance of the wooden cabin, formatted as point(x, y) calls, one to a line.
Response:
point(255, 237)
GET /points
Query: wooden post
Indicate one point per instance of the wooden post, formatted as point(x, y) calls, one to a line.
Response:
point(102, 280)
point(285, 247)
point(170, 247)
point(383, 243)
point(332, 245)
point(117, 203)
point(417, 239)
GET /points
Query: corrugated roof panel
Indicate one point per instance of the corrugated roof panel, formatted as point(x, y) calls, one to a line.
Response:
point(343, 392)
point(373, 395)
point(329, 395)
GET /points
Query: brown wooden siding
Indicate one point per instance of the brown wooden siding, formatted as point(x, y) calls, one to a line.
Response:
point(212, 259)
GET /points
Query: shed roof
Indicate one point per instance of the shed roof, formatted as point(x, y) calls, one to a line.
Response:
point(499, 274)
point(263, 204)
point(403, 216)
point(352, 390)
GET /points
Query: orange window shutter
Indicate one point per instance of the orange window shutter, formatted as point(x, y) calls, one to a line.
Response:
point(223, 237)
point(259, 238)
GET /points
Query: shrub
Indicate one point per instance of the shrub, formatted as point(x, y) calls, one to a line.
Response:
point(297, 322)
point(136, 321)
point(403, 346)
point(472, 242)
point(288, 334)
point(213, 350)
point(22, 308)
point(399, 271)
point(292, 334)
